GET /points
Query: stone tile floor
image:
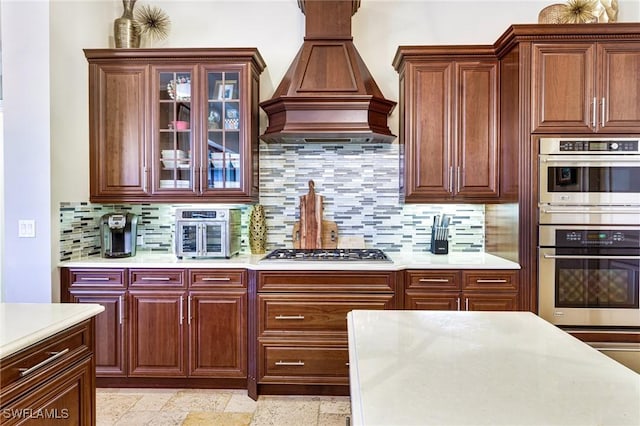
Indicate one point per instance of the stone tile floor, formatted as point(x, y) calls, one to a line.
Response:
point(189, 407)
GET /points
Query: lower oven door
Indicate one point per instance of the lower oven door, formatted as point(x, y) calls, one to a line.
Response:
point(597, 287)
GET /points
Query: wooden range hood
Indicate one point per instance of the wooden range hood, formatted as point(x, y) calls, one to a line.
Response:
point(328, 94)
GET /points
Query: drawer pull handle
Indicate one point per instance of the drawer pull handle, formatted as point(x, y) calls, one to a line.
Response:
point(94, 279)
point(434, 280)
point(289, 317)
point(216, 279)
point(491, 281)
point(291, 363)
point(155, 279)
point(53, 357)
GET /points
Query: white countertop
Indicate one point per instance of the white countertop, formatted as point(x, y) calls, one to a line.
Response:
point(418, 260)
point(23, 324)
point(481, 368)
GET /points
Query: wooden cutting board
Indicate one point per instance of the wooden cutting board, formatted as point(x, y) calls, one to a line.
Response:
point(311, 232)
point(329, 237)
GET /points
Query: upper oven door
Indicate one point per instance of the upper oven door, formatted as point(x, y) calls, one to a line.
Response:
point(590, 179)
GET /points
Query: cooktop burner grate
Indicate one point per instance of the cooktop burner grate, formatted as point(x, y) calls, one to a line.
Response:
point(367, 255)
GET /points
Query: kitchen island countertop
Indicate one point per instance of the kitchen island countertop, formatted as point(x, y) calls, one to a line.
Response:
point(400, 261)
point(23, 324)
point(481, 368)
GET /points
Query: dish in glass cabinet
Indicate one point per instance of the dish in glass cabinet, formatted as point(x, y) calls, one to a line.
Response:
point(179, 89)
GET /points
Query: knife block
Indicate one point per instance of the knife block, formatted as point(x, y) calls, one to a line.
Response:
point(438, 246)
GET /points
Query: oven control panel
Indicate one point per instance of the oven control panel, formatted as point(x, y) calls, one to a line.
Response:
point(576, 146)
point(597, 238)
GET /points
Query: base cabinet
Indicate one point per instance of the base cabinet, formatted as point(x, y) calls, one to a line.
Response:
point(301, 327)
point(166, 323)
point(486, 290)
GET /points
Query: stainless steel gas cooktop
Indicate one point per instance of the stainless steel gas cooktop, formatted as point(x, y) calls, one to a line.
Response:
point(367, 255)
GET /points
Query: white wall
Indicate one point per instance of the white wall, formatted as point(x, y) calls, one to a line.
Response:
point(26, 269)
point(275, 27)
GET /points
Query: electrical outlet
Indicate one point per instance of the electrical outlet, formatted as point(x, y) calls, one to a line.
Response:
point(26, 228)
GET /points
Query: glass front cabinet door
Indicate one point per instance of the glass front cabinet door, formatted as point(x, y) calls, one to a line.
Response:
point(205, 138)
point(174, 125)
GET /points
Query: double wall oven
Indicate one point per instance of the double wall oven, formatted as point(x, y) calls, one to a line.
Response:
point(589, 231)
point(589, 235)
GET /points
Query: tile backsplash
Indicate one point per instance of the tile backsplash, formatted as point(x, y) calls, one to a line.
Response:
point(359, 185)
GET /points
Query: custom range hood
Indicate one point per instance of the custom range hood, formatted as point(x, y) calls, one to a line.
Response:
point(328, 94)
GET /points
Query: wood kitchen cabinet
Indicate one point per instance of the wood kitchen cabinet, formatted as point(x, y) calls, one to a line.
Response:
point(448, 124)
point(106, 287)
point(166, 324)
point(300, 327)
point(174, 124)
point(586, 87)
point(51, 381)
point(466, 290)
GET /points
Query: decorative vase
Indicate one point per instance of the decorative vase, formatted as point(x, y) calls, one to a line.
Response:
point(257, 230)
point(125, 31)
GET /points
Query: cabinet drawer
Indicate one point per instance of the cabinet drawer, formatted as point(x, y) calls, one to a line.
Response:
point(217, 278)
point(97, 278)
point(318, 281)
point(156, 278)
point(320, 314)
point(38, 363)
point(490, 280)
point(66, 399)
point(304, 364)
point(441, 280)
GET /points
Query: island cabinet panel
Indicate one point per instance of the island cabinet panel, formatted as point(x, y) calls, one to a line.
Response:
point(449, 124)
point(589, 87)
point(166, 324)
point(466, 290)
point(54, 378)
point(300, 327)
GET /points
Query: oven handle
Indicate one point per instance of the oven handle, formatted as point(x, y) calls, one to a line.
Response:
point(630, 210)
point(568, 256)
point(604, 161)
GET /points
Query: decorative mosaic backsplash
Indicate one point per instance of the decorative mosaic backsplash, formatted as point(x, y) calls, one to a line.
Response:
point(359, 184)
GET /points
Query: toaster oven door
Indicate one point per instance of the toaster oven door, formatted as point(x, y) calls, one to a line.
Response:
point(214, 239)
point(187, 239)
point(201, 238)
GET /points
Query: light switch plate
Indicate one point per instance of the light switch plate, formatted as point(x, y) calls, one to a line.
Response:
point(26, 228)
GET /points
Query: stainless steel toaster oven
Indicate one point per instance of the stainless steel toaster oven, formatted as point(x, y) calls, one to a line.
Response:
point(202, 233)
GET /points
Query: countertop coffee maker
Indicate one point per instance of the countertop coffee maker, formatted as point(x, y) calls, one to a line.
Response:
point(118, 232)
